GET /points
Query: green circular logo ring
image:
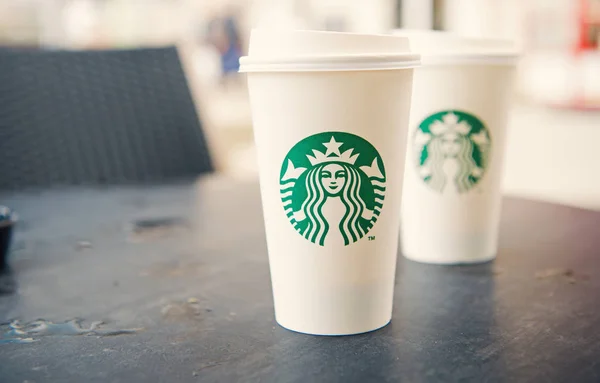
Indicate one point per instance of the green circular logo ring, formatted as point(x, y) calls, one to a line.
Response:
point(332, 187)
point(451, 151)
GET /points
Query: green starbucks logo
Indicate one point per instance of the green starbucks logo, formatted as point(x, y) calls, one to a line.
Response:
point(452, 150)
point(332, 187)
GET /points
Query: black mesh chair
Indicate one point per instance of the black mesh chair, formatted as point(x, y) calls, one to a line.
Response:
point(97, 117)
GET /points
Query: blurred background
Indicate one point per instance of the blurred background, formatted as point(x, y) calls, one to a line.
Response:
point(553, 150)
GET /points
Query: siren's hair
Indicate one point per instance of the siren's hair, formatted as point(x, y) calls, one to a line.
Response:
point(435, 162)
point(467, 165)
point(350, 226)
point(318, 227)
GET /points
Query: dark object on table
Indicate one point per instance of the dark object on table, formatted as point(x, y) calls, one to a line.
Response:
point(7, 222)
point(154, 228)
point(141, 225)
point(204, 299)
point(97, 117)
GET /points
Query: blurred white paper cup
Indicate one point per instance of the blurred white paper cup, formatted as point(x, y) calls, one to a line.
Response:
point(455, 153)
point(330, 115)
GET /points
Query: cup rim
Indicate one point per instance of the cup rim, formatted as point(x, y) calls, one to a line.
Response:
point(495, 58)
point(448, 48)
point(330, 63)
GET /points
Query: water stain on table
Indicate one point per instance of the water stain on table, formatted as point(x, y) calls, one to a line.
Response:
point(189, 311)
point(561, 274)
point(17, 332)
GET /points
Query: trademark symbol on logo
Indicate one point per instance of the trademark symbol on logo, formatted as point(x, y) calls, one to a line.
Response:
point(371, 238)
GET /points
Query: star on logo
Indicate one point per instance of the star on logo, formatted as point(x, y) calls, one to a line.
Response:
point(450, 119)
point(291, 172)
point(333, 147)
point(372, 171)
point(450, 124)
point(332, 154)
point(422, 138)
point(480, 138)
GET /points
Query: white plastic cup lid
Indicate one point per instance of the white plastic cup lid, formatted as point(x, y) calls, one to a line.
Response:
point(441, 48)
point(274, 50)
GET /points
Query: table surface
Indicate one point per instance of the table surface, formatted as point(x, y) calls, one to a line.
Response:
point(193, 297)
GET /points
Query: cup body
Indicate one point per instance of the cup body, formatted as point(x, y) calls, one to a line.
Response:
point(330, 149)
point(455, 155)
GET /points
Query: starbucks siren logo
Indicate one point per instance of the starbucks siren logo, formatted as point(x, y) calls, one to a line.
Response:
point(332, 187)
point(452, 150)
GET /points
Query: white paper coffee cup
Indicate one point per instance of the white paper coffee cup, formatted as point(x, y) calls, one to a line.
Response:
point(455, 153)
point(330, 114)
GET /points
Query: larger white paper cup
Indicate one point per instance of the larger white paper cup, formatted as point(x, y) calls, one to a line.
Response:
point(330, 114)
point(455, 154)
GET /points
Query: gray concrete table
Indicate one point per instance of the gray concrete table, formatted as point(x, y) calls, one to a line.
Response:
point(190, 300)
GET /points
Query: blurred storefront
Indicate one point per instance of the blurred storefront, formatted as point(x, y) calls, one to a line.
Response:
point(559, 37)
point(559, 69)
